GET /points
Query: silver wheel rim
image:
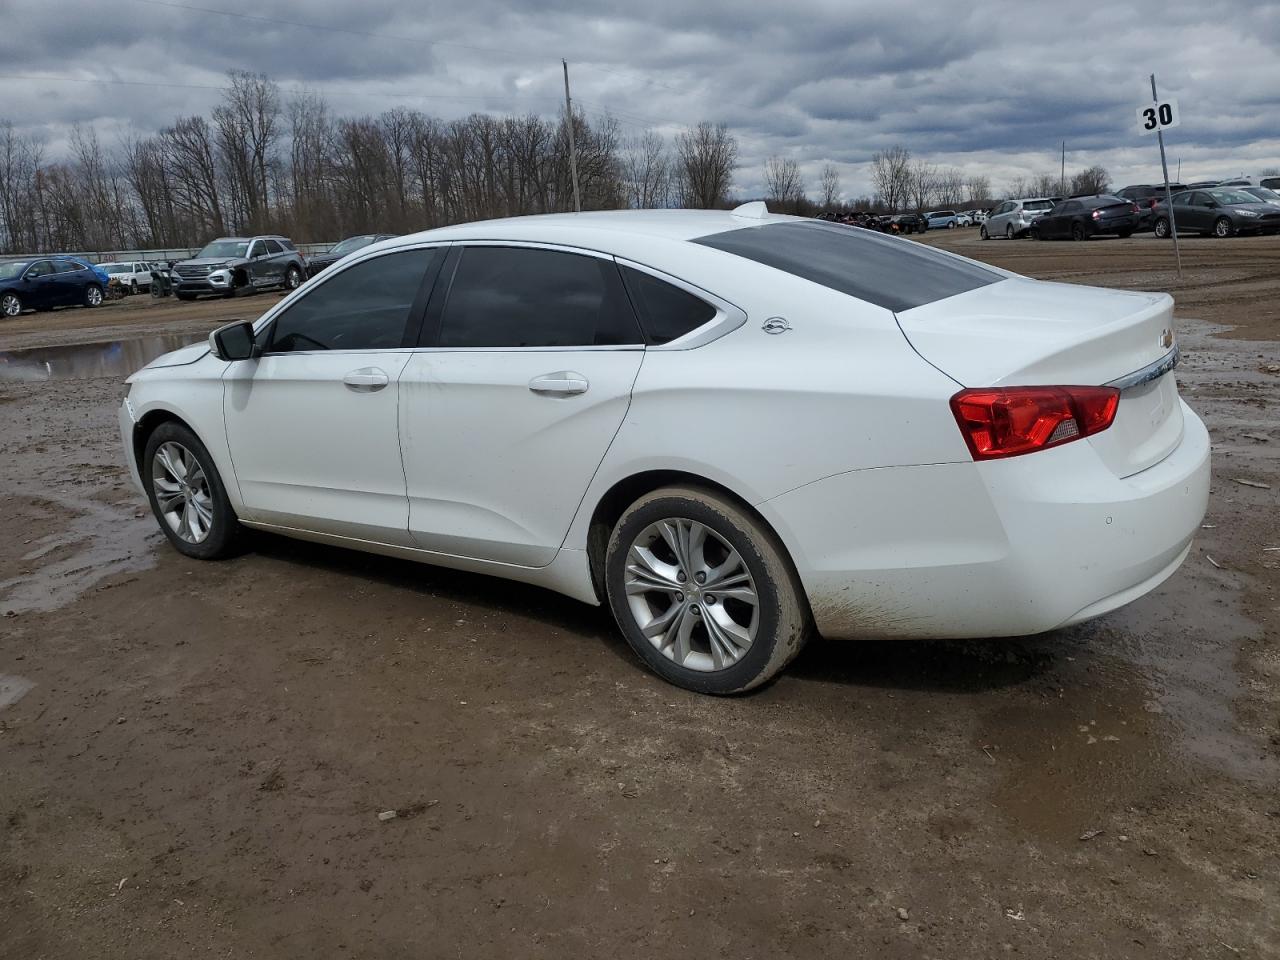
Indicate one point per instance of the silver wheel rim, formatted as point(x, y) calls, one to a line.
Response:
point(1223, 228)
point(10, 305)
point(691, 595)
point(95, 296)
point(182, 492)
point(292, 279)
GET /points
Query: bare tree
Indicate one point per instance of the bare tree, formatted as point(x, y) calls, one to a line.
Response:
point(923, 183)
point(979, 189)
point(891, 174)
point(647, 168)
point(1093, 180)
point(248, 127)
point(830, 187)
point(783, 183)
point(950, 187)
point(1046, 185)
point(20, 161)
point(705, 157)
point(193, 170)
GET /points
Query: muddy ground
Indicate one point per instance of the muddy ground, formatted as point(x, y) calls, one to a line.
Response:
point(193, 756)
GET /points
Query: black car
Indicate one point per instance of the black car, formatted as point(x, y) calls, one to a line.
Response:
point(1083, 217)
point(911, 222)
point(43, 284)
point(1220, 212)
point(320, 261)
point(1146, 196)
point(1262, 193)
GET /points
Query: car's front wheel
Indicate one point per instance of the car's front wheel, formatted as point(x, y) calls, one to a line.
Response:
point(1222, 227)
point(187, 495)
point(982, 233)
point(1162, 229)
point(10, 305)
point(703, 592)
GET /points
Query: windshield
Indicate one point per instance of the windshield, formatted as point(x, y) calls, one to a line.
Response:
point(224, 248)
point(13, 269)
point(351, 243)
point(1232, 196)
point(1262, 193)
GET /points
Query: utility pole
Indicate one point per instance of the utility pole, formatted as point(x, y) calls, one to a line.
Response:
point(573, 150)
point(1168, 194)
point(1062, 182)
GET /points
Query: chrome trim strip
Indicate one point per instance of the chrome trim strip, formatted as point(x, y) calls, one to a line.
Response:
point(1152, 371)
point(728, 316)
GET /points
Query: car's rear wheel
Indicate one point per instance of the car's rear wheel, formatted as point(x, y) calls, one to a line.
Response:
point(1008, 232)
point(704, 593)
point(1077, 232)
point(1035, 233)
point(93, 295)
point(187, 495)
point(1222, 227)
point(10, 305)
point(1162, 229)
point(293, 278)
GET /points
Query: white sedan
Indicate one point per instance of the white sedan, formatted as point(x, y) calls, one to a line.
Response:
point(733, 428)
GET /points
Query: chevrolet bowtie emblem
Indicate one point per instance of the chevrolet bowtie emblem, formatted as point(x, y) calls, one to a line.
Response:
point(1166, 338)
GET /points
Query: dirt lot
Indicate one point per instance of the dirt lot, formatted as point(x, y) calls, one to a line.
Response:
point(194, 756)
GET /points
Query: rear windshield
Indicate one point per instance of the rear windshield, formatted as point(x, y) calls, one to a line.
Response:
point(891, 273)
point(1034, 205)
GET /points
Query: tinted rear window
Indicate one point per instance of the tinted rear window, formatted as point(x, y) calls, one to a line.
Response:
point(894, 274)
point(1034, 205)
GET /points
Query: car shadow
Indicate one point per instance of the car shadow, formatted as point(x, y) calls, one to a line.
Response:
point(967, 666)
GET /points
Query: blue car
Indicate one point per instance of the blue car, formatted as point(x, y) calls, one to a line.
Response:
point(42, 284)
point(941, 218)
point(102, 275)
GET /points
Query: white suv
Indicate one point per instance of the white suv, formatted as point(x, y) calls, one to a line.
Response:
point(1013, 218)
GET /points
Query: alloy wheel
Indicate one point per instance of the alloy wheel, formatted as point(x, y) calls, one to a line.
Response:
point(691, 594)
point(1222, 228)
point(182, 492)
point(293, 278)
point(93, 296)
point(10, 305)
point(1008, 232)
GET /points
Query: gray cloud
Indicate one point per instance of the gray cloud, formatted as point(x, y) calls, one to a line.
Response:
point(989, 86)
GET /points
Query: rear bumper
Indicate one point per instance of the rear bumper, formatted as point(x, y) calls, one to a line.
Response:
point(1002, 548)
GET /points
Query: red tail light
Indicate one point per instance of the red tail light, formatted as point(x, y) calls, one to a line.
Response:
point(1016, 420)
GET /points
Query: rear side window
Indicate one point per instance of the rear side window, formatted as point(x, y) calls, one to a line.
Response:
point(666, 312)
point(68, 266)
point(365, 307)
point(525, 297)
point(894, 274)
point(272, 246)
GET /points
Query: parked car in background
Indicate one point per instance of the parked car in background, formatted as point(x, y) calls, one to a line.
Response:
point(1239, 182)
point(47, 282)
point(1262, 193)
point(1146, 196)
point(1201, 184)
point(910, 222)
point(230, 266)
point(319, 261)
point(525, 431)
point(978, 216)
point(1013, 218)
point(964, 219)
point(941, 218)
point(1271, 183)
point(1218, 211)
point(1083, 217)
point(133, 275)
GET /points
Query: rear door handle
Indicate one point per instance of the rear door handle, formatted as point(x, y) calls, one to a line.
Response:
point(366, 380)
point(565, 383)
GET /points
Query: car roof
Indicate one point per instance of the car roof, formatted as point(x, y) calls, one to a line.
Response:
point(677, 225)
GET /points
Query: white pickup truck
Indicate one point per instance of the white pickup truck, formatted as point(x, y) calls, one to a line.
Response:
point(134, 275)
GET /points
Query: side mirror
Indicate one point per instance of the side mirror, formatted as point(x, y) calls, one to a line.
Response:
point(234, 341)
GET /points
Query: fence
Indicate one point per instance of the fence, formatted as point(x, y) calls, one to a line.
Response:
point(173, 253)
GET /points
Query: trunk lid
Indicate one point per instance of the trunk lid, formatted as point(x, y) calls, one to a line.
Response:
point(1026, 332)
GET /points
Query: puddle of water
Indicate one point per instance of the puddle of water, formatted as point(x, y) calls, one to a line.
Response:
point(13, 689)
point(86, 361)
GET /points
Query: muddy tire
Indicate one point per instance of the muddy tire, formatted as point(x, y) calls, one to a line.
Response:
point(187, 495)
point(703, 592)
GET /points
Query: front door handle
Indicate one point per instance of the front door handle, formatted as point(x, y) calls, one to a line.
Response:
point(366, 380)
point(565, 383)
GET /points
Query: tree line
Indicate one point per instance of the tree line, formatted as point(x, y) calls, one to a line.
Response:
point(261, 163)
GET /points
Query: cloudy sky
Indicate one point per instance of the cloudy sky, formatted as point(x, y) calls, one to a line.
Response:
point(991, 86)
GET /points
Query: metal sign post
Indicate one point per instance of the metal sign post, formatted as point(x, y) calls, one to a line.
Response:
point(1154, 119)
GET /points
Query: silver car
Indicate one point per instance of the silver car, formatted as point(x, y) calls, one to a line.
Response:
point(1013, 218)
